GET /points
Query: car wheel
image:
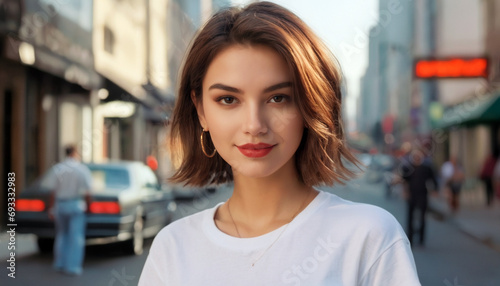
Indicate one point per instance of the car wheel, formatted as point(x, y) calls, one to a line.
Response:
point(45, 245)
point(136, 244)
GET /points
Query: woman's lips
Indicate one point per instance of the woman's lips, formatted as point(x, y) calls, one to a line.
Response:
point(255, 150)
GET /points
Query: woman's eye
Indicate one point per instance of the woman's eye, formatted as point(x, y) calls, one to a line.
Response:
point(226, 100)
point(278, 98)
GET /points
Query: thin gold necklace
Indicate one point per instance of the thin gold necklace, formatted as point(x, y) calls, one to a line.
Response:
point(277, 238)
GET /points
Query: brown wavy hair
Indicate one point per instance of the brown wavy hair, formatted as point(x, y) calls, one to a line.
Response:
point(316, 90)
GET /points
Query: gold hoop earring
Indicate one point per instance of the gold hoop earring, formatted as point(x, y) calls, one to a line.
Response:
point(203, 146)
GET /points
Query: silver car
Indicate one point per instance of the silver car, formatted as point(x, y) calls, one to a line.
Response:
point(127, 206)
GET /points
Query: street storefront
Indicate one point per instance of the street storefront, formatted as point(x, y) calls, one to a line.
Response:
point(46, 84)
point(473, 129)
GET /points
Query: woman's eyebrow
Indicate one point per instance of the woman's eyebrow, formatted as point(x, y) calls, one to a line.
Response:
point(235, 90)
point(224, 87)
point(278, 86)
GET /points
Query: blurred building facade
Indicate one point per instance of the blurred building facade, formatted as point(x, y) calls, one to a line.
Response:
point(130, 45)
point(100, 74)
point(139, 46)
point(462, 32)
point(437, 111)
point(384, 102)
point(46, 80)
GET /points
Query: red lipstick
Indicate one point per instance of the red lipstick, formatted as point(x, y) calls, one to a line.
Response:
point(255, 150)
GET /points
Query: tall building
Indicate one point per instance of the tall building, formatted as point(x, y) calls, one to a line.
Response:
point(456, 114)
point(385, 87)
point(471, 118)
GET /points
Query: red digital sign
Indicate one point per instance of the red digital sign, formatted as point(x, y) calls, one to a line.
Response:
point(451, 68)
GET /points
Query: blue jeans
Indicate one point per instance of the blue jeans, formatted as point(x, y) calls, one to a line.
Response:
point(69, 246)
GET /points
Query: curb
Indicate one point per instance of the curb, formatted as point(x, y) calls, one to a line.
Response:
point(440, 211)
point(483, 238)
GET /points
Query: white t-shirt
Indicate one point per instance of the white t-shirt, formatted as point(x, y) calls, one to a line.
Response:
point(331, 242)
point(70, 179)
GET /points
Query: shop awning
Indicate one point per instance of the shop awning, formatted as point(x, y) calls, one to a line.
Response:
point(480, 110)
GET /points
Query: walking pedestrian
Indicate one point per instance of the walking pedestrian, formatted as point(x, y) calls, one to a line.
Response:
point(263, 95)
point(417, 174)
point(452, 176)
point(70, 182)
point(487, 177)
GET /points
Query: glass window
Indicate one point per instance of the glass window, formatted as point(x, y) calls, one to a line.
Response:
point(109, 178)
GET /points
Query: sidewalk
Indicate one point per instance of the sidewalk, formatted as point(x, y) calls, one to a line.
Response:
point(25, 244)
point(473, 217)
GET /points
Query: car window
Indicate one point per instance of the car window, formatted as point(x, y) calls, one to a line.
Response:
point(109, 178)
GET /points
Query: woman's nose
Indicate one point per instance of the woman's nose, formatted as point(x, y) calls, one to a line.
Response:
point(255, 120)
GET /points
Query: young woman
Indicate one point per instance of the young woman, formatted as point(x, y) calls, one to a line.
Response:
point(262, 95)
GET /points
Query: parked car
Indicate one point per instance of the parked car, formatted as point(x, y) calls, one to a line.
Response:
point(127, 206)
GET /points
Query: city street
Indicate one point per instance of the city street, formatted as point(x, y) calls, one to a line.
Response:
point(450, 257)
point(109, 101)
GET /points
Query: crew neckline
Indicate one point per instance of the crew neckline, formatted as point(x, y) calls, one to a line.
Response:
point(248, 244)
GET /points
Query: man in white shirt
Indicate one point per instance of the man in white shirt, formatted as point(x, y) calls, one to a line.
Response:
point(70, 183)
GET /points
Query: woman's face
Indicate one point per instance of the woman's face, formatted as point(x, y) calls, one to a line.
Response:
point(248, 109)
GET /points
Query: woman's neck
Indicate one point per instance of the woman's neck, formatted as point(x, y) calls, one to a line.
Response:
point(260, 205)
point(264, 195)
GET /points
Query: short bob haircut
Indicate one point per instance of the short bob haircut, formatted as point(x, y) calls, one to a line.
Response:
point(316, 83)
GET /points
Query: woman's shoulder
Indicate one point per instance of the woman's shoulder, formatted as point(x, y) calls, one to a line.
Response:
point(337, 203)
point(358, 216)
